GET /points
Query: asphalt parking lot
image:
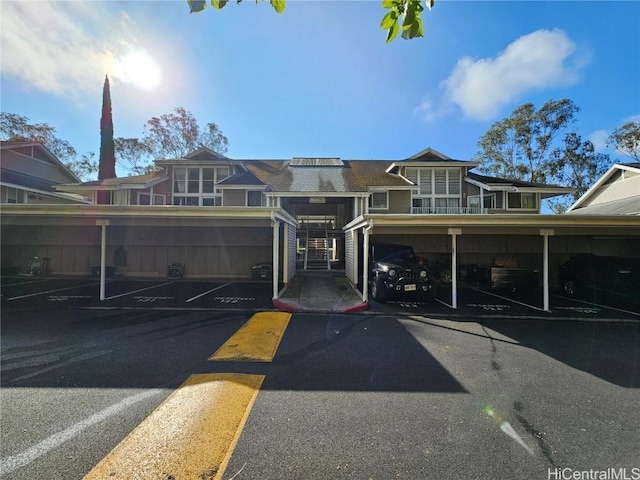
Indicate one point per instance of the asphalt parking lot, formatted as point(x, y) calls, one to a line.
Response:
point(189, 294)
point(475, 302)
point(34, 292)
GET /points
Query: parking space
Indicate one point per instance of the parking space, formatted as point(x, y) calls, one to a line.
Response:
point(24, 292)
point(476, 302)
point(168, 293)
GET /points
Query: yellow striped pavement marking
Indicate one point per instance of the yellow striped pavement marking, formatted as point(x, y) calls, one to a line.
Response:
point(257, 340)
point(191, 435)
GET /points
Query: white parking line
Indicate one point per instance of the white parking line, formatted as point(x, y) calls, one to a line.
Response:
point(444, 303)
point(51, 291)
point(14, 462)
point(598, 305)
point(208, 292)
point(139, 290)
point(510, 300)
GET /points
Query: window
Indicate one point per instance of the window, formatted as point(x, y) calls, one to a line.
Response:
point(254, 198)
point(379, 200)
point(438, 189)
point(145, 199)
point(196, 186)
point(12, 195)
point(524, 201)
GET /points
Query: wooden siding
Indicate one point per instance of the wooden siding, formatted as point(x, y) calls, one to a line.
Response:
point(234, 198)
point(399, 201)
point(615, 191)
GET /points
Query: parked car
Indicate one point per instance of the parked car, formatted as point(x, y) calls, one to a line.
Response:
point(602, 278)
point(395, 273)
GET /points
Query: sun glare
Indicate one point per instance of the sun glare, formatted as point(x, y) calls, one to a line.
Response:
point(139, 69)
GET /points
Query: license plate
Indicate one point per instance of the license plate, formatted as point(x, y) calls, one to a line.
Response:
point(410, 288)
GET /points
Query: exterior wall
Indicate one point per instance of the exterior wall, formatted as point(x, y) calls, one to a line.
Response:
point(399, 201)
point(234, 198)
point(616, 190)
point(34, 167)
point(215, 252)
point(32, 198)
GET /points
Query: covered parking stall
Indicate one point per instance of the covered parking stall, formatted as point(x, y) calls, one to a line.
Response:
point(141, 241)
point(537, 242)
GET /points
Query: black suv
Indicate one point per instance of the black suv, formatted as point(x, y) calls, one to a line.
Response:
point(609, 280)
point(394, 272)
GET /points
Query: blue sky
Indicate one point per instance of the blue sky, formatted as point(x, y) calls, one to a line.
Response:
point(319, 79)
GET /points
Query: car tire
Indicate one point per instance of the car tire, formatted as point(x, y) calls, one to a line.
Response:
point(445, 276)
point(378, 291)
point(570, 287)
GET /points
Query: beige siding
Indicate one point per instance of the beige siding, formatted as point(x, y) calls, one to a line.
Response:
point(234, 198)
point(34, 167)
point(616, 191)
point(399, 201)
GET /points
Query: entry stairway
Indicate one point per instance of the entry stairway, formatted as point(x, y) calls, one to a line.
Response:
point(316, 253)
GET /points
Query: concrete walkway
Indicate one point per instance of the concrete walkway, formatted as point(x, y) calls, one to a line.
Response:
point(320, 291)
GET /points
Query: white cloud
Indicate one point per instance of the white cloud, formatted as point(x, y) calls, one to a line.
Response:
point(480, 88)
point(64, 48)
point(599, 140)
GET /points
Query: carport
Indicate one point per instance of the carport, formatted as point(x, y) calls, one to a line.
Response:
point(544, 241)
point(143, 240)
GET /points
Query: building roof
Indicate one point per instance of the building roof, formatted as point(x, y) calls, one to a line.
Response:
point(352, 176)
point(623, 206)
point(496, 183)
point(118, 183)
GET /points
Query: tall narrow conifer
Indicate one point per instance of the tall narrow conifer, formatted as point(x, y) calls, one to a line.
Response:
point(107, 163)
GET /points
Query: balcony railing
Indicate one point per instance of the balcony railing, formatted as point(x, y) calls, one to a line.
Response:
point(449, 210)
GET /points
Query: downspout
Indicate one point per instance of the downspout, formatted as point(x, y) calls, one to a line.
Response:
point(365, 261)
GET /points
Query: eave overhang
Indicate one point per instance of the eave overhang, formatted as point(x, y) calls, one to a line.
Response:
point(16, 214)
point(574, 223)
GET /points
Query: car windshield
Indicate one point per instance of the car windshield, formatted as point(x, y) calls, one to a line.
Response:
point(400, 256)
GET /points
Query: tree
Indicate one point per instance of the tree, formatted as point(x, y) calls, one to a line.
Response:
point(18, 128)
point(577, 165)
point(107, 162)
point(518, 147)
point(402, 15)
point(176, 134)
point(134, 155)
point(626, 139)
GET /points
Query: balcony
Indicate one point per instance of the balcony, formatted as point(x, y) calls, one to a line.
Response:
point(449, 210)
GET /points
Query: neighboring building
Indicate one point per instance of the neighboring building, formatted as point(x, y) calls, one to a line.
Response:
point(617, 192)
point(29, 173)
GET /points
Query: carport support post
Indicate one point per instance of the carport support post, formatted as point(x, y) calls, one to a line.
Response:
point(276, 256)
point(103, 255)
point(454, 232)
point(546, 233)
point(365, 262)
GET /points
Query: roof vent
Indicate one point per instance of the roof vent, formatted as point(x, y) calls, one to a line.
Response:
point(315, 162)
